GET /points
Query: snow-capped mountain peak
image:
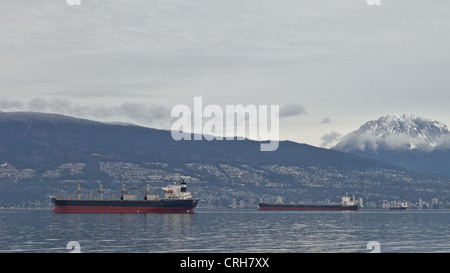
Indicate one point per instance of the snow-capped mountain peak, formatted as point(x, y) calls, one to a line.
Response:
point(397, 132)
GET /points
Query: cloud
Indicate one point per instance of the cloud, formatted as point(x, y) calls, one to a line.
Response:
point(7, 104)
point(330, 138)
point(325, 120)
point(292, 109)
point(367, 141)
point(139, 113)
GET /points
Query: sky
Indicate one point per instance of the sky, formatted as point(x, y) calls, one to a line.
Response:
point(330, 65)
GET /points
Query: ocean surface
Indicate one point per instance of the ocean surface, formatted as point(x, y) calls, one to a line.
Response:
point(227, 230)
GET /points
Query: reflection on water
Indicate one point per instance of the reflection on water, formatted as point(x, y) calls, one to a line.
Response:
point(226, 231)
point(124, 232)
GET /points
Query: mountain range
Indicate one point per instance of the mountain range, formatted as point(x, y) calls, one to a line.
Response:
point(42, 154)
point(415, 143)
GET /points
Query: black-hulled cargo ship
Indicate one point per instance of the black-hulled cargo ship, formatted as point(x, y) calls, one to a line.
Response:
point(176, 200)
point(347, 204)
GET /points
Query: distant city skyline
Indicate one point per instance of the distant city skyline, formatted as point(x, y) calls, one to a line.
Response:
point(330, 66)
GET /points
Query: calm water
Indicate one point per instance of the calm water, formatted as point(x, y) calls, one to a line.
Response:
point(226, 231)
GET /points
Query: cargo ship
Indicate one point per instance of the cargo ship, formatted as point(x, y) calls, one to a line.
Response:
point(347, 203)
point(401, 206)
point(176, 200)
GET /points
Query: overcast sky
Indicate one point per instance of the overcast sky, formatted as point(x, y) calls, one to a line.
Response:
point(330, 65)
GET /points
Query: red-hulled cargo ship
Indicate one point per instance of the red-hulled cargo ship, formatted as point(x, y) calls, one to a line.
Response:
point(176, 200)
point(347, 204)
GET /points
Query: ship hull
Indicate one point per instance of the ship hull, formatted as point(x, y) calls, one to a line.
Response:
point(398, 208)
point(124, 206)
point(293, 207)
